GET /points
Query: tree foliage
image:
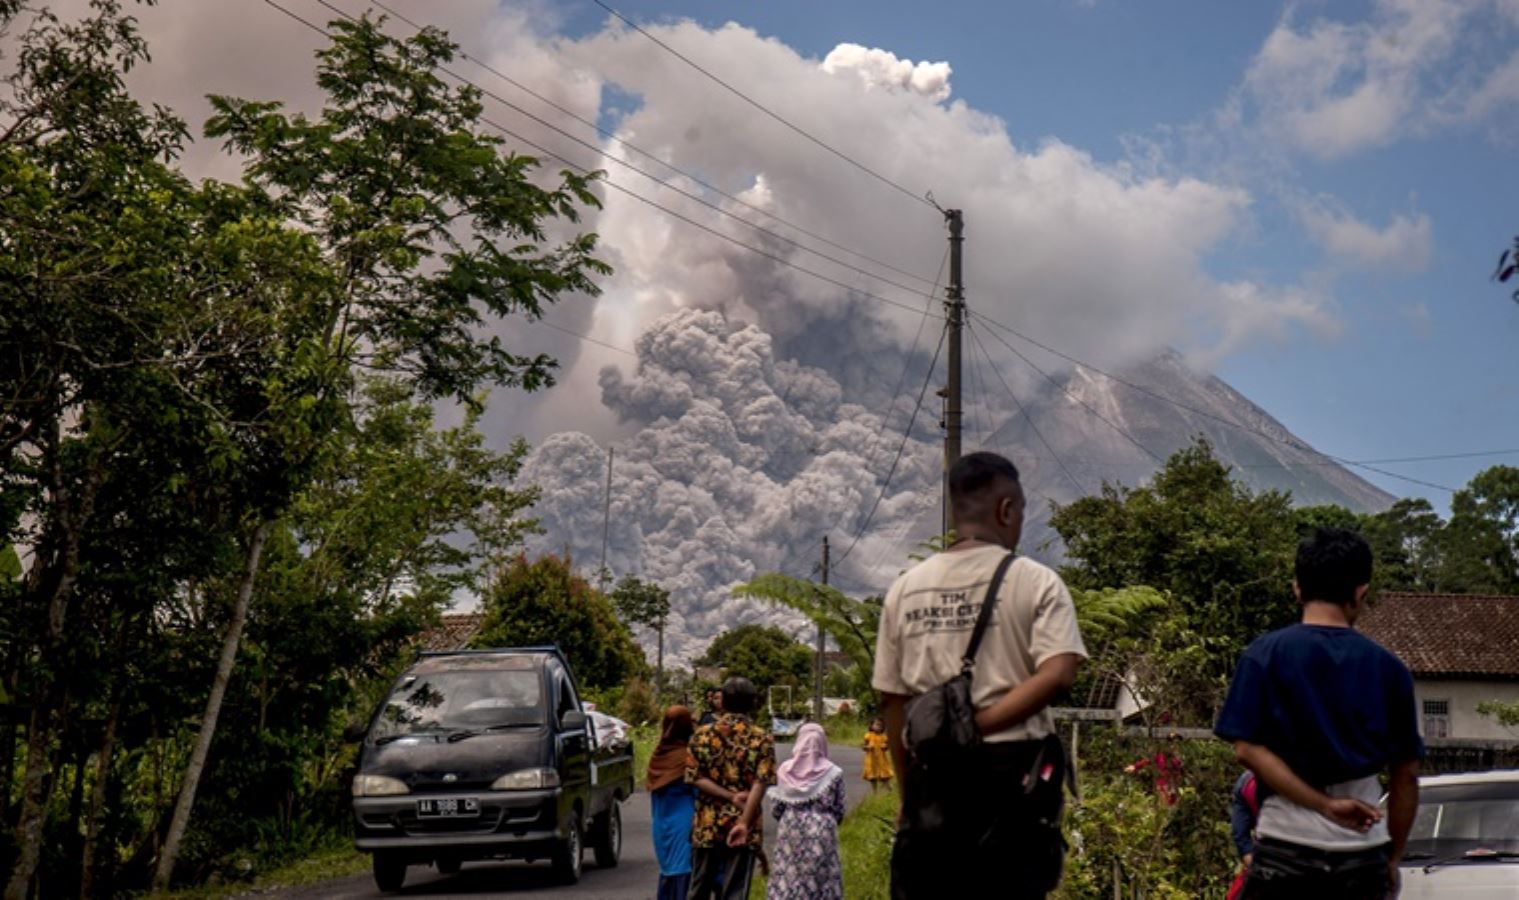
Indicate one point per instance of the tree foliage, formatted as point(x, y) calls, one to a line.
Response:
point(1508, 267)
point(542, 601)
point(1221, 551)
point(188, 447)
point(851, 623)
point(641, 603)
point(764, 654)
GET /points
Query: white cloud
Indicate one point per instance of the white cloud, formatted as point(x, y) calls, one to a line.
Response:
point(1406, 243)
point(883, 69)
point(1331, 89)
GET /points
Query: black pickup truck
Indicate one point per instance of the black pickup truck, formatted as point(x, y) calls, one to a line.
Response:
point(487, 754)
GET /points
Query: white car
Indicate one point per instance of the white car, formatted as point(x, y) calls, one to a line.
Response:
point(1465, 839)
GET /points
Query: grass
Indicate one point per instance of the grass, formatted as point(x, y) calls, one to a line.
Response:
point(339, 862)
point(864, 849)
point(645, 738)
point(846, 731)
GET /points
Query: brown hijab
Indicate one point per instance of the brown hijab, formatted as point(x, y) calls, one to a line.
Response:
point(668, 764)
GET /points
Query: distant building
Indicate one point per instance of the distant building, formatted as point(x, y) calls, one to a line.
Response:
point(1463, 649)
point(453, 632)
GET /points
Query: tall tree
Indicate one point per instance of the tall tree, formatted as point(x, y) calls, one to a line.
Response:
point(542, 601)
point(765, 655)
point(1222, 552)
point(1479, 546)
point(429, 229)
point(645, 604)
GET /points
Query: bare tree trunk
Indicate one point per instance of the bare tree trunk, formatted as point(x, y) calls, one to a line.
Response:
point(659, 664)
point(170, 852)
point(7, 769)
point(97, 804)
point(49, 694)
point(35, 787)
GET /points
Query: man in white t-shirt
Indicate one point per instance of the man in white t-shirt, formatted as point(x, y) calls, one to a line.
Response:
point(986, 831)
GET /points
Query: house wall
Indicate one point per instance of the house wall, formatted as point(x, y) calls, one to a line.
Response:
point(1463, 696)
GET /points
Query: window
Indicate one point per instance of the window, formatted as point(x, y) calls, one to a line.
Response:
point(1436, 718)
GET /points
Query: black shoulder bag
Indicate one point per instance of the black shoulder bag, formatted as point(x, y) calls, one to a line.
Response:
point(941, 724)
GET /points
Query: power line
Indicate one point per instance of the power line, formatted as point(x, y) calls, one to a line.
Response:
point(612, 136)
point(1434, 457)
point(1023, 410)
point(1069, 393)
point(634, 195)
point(1288, 441)
point(901, 448)
point(654, 178)
point(584, 337)
point(891, 408)
point(762, 108)
point(902, 379)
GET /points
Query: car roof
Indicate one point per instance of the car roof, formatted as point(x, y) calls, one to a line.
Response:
point(477, 661)
point(1497, 775)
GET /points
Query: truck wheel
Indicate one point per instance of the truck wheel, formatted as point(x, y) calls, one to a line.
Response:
point(389, 872)
point(606, 837)
point(567, 853)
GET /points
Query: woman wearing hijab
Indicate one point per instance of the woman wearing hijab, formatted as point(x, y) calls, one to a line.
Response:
point(673, 803)
point(809, 802)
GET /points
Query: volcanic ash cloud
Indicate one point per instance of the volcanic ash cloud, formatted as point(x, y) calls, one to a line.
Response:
point(740, 464)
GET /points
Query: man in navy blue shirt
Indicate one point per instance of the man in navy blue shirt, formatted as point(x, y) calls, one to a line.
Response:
point(1317, 711)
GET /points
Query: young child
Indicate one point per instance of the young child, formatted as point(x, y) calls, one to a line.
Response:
point(877, 758)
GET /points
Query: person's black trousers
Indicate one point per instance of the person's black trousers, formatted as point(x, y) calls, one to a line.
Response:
point(975, 830)
point(720, 873)
point(1294, 872)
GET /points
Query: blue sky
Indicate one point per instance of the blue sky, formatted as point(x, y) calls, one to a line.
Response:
point(1426, 360)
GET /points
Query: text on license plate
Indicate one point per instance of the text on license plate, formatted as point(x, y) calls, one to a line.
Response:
point(449, 806)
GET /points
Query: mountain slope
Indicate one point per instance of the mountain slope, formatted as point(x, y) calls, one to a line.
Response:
point(1074, 424)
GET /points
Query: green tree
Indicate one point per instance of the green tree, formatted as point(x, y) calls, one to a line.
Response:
point(427, 227)
point(1506, 714)
point(178, 359)
point(645, 604)
point(1220, 551)
point(1479, 547)
point(542, 601)
point(1405, 539)
point(396, 522)
point(851, 622)
point(765, 655)
point(1508, 267)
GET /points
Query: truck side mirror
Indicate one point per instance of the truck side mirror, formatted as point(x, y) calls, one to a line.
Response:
point(354, 732)
point(572, 720)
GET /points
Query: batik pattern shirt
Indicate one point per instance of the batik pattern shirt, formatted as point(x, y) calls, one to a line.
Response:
point(737, 755)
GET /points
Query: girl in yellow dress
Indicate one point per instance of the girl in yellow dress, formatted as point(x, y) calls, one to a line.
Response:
point(877, 757)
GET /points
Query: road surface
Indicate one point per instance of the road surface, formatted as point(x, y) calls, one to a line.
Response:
point(635, 876)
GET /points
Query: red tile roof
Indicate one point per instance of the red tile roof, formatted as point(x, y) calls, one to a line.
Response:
point(1448, 635)
point(453, 632)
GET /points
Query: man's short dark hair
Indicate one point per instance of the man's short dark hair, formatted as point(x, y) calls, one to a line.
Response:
point(739, 696)
point(972, 478)
point(1331, 564)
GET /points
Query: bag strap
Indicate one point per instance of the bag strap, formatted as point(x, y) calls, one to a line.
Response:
point(984, 619)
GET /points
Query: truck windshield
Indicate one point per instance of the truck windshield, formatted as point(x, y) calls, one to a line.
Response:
point(1458, 818)
point(467, 699)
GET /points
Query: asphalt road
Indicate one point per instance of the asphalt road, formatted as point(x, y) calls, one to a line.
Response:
point(636, 876)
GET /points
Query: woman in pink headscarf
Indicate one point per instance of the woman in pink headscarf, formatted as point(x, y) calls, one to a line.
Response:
point(809, 802)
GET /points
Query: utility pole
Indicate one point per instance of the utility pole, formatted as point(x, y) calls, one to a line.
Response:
point(817, 680)
point(954, 308)
point(606, 526)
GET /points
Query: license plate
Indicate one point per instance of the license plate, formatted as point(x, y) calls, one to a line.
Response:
point(449, 806)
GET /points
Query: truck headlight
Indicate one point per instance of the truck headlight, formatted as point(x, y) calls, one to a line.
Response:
point(378, 786)
point(526, 780)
